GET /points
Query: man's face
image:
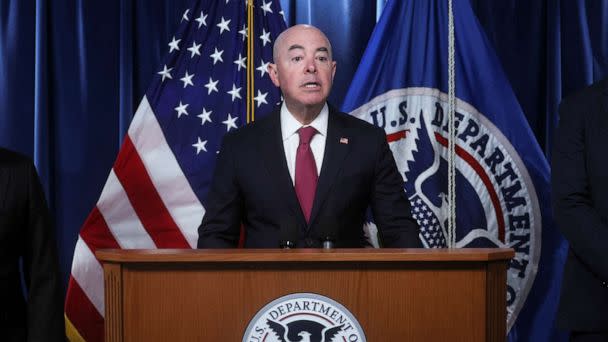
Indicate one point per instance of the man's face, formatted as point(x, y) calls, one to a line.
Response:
point(303, 69)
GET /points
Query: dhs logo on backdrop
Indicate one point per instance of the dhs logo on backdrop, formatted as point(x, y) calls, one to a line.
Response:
point(496, 203)
point(303, 317)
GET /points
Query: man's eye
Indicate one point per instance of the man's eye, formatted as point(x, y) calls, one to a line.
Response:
point(296, 59)
point(322, 58)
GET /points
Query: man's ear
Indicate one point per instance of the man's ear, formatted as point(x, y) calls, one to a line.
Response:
point(333, 71)
point(274, 74)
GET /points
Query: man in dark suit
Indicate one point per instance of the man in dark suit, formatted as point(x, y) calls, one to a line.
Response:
point(580, 201)
point(26, 232)
point(306, 172)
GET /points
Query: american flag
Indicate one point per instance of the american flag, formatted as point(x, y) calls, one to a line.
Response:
point(155, 194)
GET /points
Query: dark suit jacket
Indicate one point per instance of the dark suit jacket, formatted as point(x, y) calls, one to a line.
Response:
point(580, 200)
point(25, 231)
point(252, 186)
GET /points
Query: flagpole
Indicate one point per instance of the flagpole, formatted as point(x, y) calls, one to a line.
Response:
point(250, 66)
point(452, 130)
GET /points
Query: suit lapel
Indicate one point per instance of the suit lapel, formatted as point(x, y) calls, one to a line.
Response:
point(336, 149)
point(273, 154)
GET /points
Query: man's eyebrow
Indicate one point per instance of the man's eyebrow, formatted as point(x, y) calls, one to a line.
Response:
point(295, 46)
point(300, 47)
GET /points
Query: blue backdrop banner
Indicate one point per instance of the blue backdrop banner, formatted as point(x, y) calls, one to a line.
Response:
point(502, 176)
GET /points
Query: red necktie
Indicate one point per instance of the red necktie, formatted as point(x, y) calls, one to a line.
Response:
point(306, 171)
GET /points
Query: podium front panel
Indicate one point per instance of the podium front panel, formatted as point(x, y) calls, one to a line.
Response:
point(392, 300)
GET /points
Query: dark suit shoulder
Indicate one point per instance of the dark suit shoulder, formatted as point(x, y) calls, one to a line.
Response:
point(590, 90)
point(357, 126)
point(587, 98)
point(251, 131)
point(12, 159)
point(16, 175)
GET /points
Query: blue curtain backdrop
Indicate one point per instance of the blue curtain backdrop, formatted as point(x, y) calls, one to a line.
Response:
point(548, 49)
point(72, 72)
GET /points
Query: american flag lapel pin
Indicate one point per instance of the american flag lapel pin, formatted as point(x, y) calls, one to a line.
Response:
point(344, 141)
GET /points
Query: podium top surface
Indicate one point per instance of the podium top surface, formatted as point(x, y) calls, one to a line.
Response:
point(303, 255)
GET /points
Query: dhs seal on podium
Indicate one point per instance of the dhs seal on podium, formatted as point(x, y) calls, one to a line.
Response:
point(304, 317)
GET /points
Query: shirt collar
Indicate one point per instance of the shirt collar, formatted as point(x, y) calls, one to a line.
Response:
point(290, 126)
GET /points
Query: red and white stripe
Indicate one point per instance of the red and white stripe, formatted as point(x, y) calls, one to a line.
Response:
point(146, 203)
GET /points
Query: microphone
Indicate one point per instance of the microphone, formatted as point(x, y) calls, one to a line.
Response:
point(328, 231)
point(288, 236)
point(328, 242)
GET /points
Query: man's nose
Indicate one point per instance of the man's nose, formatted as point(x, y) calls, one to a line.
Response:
point(311, 67)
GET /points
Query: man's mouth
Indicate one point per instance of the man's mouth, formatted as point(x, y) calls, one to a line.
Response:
point(311, 85)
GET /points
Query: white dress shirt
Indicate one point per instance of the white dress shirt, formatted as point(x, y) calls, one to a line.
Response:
point(291, 138)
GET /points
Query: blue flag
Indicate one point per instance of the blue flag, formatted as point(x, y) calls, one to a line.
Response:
point(502, 176)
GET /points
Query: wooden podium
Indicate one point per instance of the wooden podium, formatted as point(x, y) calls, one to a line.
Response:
point(395, 294)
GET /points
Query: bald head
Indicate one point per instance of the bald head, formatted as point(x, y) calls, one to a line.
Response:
point(283, 38)
point(303, 69)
